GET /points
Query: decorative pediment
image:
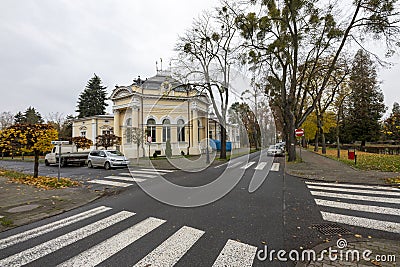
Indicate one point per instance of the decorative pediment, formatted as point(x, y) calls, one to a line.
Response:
point(83, 128)
point(106, 127)
point(122, 91)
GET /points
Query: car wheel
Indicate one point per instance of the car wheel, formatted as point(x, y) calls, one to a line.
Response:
point(46, 162)
point(107, 166)
point(89, 164)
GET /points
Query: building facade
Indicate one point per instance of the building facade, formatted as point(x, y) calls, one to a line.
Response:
point(148, 113)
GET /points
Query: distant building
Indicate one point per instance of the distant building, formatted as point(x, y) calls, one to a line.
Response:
point(162, 109)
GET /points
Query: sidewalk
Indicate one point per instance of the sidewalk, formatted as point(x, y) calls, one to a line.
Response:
point(22, 204)
point(317, 167)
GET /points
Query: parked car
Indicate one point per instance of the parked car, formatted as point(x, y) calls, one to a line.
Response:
point(275, 150)
point(107, 158)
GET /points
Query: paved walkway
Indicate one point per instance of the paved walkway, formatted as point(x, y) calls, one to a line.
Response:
point(317, 167)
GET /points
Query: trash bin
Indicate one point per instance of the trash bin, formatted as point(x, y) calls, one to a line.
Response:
point(351, 155)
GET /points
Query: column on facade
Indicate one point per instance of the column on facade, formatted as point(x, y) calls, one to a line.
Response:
point(195, 131)
point(94, 130)
point(116, 122)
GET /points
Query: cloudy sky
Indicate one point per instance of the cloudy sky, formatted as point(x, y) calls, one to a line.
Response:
point(51, 48)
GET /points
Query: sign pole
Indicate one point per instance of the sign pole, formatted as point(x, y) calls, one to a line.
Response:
point(59, 143)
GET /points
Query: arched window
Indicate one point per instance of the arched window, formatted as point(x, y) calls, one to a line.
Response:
point(166, 130)
point(181, 130)
point(151, 129)
point(198, 129)
point(129, 122)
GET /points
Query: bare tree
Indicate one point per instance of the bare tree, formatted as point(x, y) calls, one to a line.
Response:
point(206, 53)
point(6, 119)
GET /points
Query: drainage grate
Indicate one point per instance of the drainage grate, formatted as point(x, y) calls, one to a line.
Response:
point(331, 229)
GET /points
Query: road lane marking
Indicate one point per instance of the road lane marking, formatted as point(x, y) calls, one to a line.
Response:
point(356, 197)
point(356, 186)
point(21, 237)
point(355, 190)
point(99, 253)
point(236, 253)
point(55, 244)
point(219, 166)
point(129, 179)
point(261, 165)
point(148, 172)
point(275, 167)
point(172, 249)
point(112, 183)
point(362, 222)
point(157, 170)
point(247, 165)
point(144, 175)
point(235, 164)
point(358, 207)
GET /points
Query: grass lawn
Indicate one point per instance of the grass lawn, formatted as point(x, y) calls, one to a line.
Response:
point(367, 161)
point(26, 158)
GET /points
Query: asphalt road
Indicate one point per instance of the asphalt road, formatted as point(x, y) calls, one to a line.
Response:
point(134, 228)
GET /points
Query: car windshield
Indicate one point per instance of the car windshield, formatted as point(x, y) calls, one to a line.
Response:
point(272, 147)
point(114, 153)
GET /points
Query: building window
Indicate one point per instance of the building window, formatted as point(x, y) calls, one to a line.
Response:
point(181, 131)
point(166, 130)
point(151, 129)
point(83, 133)
point(198, 130)
point(210, 134)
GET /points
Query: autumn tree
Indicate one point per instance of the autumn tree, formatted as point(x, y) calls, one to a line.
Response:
point(283, 35)
point(246, 117)
point(34, 138)
point(82, 142)
point(392, 124)
point(63, 124)
point(206, 54)
point(137, 136)
point(108, 140)
point(365, 105)
point(6, 119)
point(92, 101)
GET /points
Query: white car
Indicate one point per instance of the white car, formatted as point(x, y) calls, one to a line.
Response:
point(107, 158)
point(275, 150)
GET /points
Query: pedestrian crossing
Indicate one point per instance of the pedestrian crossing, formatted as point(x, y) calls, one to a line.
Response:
point(367, 206)
point(247, 165)
point(166, 252)
point(126, 179)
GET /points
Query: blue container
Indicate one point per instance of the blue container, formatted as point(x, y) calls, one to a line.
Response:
point(216, 145)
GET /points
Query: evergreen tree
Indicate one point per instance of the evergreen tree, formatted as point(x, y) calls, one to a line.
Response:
point(366, 103)
point(92, 101)
point(30, 116)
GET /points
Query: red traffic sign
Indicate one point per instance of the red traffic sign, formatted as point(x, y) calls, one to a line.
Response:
point(299, 132)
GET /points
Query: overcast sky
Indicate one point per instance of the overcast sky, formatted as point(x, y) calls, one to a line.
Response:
point(51, 48)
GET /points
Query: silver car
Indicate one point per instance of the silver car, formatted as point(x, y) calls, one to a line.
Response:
point(107, 158)
point(275, 150)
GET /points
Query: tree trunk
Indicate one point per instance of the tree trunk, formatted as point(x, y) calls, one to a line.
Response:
point(36, 165)
point(323, 142)
point(338, 145)
point(316, 141)
point(223, 143)
point(291, 144)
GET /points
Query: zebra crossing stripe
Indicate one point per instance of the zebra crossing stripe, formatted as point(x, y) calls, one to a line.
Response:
point(50, 246)
point(144, 175)
point(112, 183)
point(351, 190)
point(157, 170)
point(275, 167)
point(362, 222)
point(356, 197)
point(172, 249)
point(148, 172)
point(128, 179)
point(247, 165)
point(357, 207)
point(111, 246)
point(356, 186)
point(236, 253)
point(261, 165)
point(21, 237)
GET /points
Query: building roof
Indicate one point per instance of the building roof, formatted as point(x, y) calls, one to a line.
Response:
point(105, 117)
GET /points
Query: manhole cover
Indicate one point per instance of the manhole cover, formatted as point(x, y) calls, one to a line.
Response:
point(331, 229)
